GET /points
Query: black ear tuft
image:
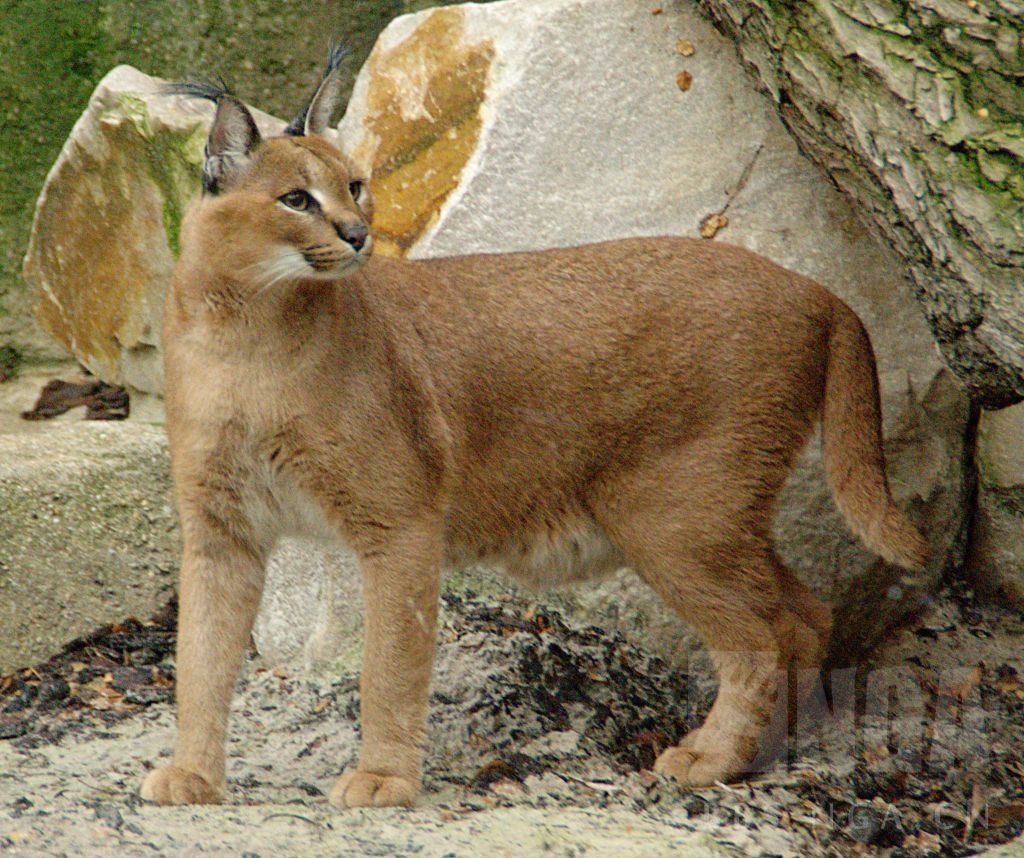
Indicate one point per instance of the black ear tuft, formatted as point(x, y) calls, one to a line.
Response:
point(209, 88)
point(315, 116)
point(233, 134)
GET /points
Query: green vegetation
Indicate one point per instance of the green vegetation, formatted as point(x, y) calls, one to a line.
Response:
point(51, 58)
point(53, 54)
point(1009, 500)
point(11, 360)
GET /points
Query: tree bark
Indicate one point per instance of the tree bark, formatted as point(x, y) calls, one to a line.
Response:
point(915, 109)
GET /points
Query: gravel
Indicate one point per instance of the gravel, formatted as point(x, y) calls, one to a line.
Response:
point(541, 736)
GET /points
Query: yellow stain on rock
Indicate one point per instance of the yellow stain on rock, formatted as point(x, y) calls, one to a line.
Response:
point(421, 126)
point(90, 253)
point(103, 241)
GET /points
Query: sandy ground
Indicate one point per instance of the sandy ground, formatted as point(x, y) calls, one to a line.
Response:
point(79, 800)
point(540, 735)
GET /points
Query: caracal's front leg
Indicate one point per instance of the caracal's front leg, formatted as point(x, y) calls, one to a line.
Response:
point(221, 585)
point(400, 587)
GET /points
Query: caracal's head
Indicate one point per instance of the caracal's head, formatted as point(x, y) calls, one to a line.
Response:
point(287, 207)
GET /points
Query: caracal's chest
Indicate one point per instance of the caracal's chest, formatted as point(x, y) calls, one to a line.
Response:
point(254, 430)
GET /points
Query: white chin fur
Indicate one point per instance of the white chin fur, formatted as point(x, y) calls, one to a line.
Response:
point(286, 264)
point(351, 265)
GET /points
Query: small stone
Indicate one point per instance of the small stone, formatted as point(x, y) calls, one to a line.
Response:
point(684, 80)
point(110, 815)
point(148, 696)
point(12, 731)
point(507, 788)
point(52, 693)
point(710, 226)
point(697, 806)
point(685, 47)
point(20, 805)
point(982, 113)
point(648, 779)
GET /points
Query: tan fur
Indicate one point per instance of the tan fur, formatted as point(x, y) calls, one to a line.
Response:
point(559, 412)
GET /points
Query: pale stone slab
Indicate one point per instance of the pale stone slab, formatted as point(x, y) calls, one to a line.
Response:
point(87, 533)
point(312, 606)
point(89, 536)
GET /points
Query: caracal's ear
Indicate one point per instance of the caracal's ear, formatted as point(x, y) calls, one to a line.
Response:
point(233, 134)
point(315, 117)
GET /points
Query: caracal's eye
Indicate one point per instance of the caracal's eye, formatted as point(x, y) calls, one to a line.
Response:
point(356, 189)
point(298, 200)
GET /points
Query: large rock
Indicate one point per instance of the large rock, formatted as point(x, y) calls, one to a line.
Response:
point(105, 233)
point(997, 549)
point(557, 122)
point(312, 606)
point(916, 110)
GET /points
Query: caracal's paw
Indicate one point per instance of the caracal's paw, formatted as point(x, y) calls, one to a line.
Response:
point(698, 762)
point(692, 768)
point(356, 788)
point(173, 785)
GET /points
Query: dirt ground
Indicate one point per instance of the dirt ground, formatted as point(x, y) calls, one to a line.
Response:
point(541, 735)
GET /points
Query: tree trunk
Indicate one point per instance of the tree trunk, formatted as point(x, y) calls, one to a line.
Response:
point(915, 108)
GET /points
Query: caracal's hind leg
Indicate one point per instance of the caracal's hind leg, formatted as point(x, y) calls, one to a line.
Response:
point(735, 605)
point(812, 635)
point(695, 530)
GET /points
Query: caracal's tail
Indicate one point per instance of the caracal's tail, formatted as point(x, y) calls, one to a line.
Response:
point(852, 442)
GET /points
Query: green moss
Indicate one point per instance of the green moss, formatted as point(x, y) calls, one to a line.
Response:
point(174, 163)
point(11, 359)
point(51, 54)
point(987, 148)
point(799, 41)
point(1006, 198)
point(134, 108)
point(1007, 500)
